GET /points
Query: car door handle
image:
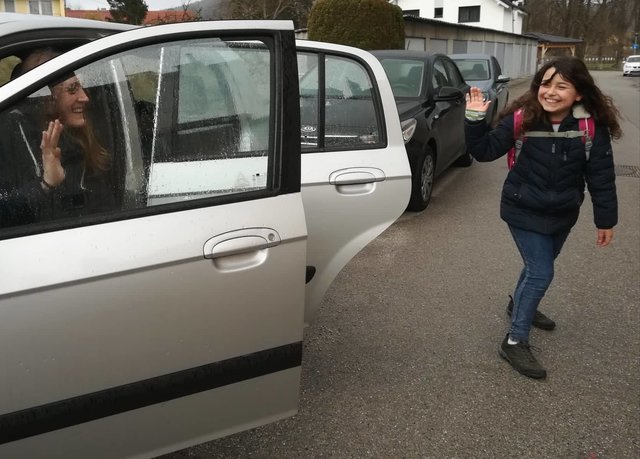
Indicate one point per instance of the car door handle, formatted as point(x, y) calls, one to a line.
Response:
point(240, 241)
point(356, 176)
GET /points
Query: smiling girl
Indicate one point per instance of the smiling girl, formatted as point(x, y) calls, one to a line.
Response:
point(543, 192)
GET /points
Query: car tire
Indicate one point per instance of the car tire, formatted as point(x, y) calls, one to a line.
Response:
point(465, 160)
point(422, 180)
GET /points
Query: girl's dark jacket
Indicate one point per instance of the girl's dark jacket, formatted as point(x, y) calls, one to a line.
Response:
point(544, 190)
point(23, 199)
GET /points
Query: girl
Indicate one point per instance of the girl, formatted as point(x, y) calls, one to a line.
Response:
point(542, 193)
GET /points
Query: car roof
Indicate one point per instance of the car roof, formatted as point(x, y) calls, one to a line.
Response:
point(11, 23)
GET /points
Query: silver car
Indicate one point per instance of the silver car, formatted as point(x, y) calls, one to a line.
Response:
point(176, 315)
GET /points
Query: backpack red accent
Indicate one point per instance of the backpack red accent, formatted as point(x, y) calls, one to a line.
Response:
point(586, 125)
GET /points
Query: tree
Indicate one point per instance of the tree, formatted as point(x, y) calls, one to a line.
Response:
point(186, 12)
point(606, 26)
point(128, 11)
point(366, 24)
point(296, 10)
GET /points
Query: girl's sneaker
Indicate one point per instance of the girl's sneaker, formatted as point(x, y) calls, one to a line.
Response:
point(521, 359)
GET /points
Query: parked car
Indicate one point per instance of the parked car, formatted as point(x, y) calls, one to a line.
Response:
point(430, 95)
point(631, 66)
point(176, 316)
point(483, 71)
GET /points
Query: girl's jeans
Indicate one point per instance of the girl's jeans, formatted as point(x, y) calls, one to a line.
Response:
point(538, 252)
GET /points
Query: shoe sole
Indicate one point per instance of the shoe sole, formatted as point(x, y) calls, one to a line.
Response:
point(529, 375)
point(537, 324)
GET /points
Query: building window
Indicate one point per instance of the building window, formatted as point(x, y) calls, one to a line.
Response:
point(437, 13)
point(41, 7)
point(415, 13)
point(9, 6)
point(469, 14)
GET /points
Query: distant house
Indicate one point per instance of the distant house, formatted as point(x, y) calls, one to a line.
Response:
point(152, 17)
point(49, 7)
point(502, 15)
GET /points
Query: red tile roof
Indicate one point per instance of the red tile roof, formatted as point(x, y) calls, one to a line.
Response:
point(152, 17)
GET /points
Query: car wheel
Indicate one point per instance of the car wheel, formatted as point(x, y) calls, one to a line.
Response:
point(422, 181)
point(465, 160)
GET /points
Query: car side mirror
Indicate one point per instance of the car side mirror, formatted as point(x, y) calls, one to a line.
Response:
point(448, 93)
point(503, 79)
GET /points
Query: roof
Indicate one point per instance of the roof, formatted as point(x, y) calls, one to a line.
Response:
point(411, 18)
point(15, 22)
point(547, 38)
point(470, 56)
point(403, 54)
point(152, 17)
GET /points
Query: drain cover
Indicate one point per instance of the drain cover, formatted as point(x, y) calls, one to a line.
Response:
point(628, 171)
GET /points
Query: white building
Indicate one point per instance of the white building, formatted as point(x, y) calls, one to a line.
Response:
point(502, 15)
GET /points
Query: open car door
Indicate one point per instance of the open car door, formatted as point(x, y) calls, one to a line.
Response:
point(356, 178)
point(174, 315)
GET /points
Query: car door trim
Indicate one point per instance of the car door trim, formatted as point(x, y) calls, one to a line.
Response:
point(61, 414)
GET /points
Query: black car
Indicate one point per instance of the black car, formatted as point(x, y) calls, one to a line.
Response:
point(430, 94)
point(483, 71)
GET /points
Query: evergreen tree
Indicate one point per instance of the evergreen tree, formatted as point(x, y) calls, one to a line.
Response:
point(128, 11)
point(366, 24)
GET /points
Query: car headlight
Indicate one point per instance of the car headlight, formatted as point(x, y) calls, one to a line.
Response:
point(408, 129)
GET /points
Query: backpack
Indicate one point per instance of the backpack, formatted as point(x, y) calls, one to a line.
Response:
point(586, 125)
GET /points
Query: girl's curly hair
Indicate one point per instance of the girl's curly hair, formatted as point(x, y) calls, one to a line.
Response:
point(574, 71)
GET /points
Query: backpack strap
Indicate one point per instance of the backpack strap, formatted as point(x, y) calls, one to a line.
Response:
point(588, 127)
point(512, 155)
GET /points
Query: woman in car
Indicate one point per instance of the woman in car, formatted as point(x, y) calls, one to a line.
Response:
point(59, 172)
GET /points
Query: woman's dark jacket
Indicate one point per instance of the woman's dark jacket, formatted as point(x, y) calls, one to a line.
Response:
point(544, 190)
point(23, 199)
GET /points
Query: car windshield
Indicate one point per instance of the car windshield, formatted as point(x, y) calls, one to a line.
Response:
point(473, 69)
point(405, 76)
point(634, 59)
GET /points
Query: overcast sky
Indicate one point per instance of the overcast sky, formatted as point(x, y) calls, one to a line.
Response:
point(95, 4)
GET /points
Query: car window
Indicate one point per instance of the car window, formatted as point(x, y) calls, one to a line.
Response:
point(7, 64)
point(165, 123)
point(496, 66)
point(439, 75)
point(347, 104)
point(473, 69)
point(405, 75)
point(634, 59)
point(454, 75)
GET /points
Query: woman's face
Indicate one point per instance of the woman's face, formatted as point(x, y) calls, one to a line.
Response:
point(557, 95)
point(70, 102)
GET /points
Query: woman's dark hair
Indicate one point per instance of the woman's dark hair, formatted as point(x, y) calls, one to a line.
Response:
point(575, 72)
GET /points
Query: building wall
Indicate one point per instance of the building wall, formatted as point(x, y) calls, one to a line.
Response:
point(516, 53)
point(494, 14)
point(55, 7)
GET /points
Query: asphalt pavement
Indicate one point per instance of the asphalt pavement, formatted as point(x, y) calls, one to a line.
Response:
point(402, 360)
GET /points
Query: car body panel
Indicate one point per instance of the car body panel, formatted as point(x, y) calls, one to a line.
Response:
point(489, 78)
